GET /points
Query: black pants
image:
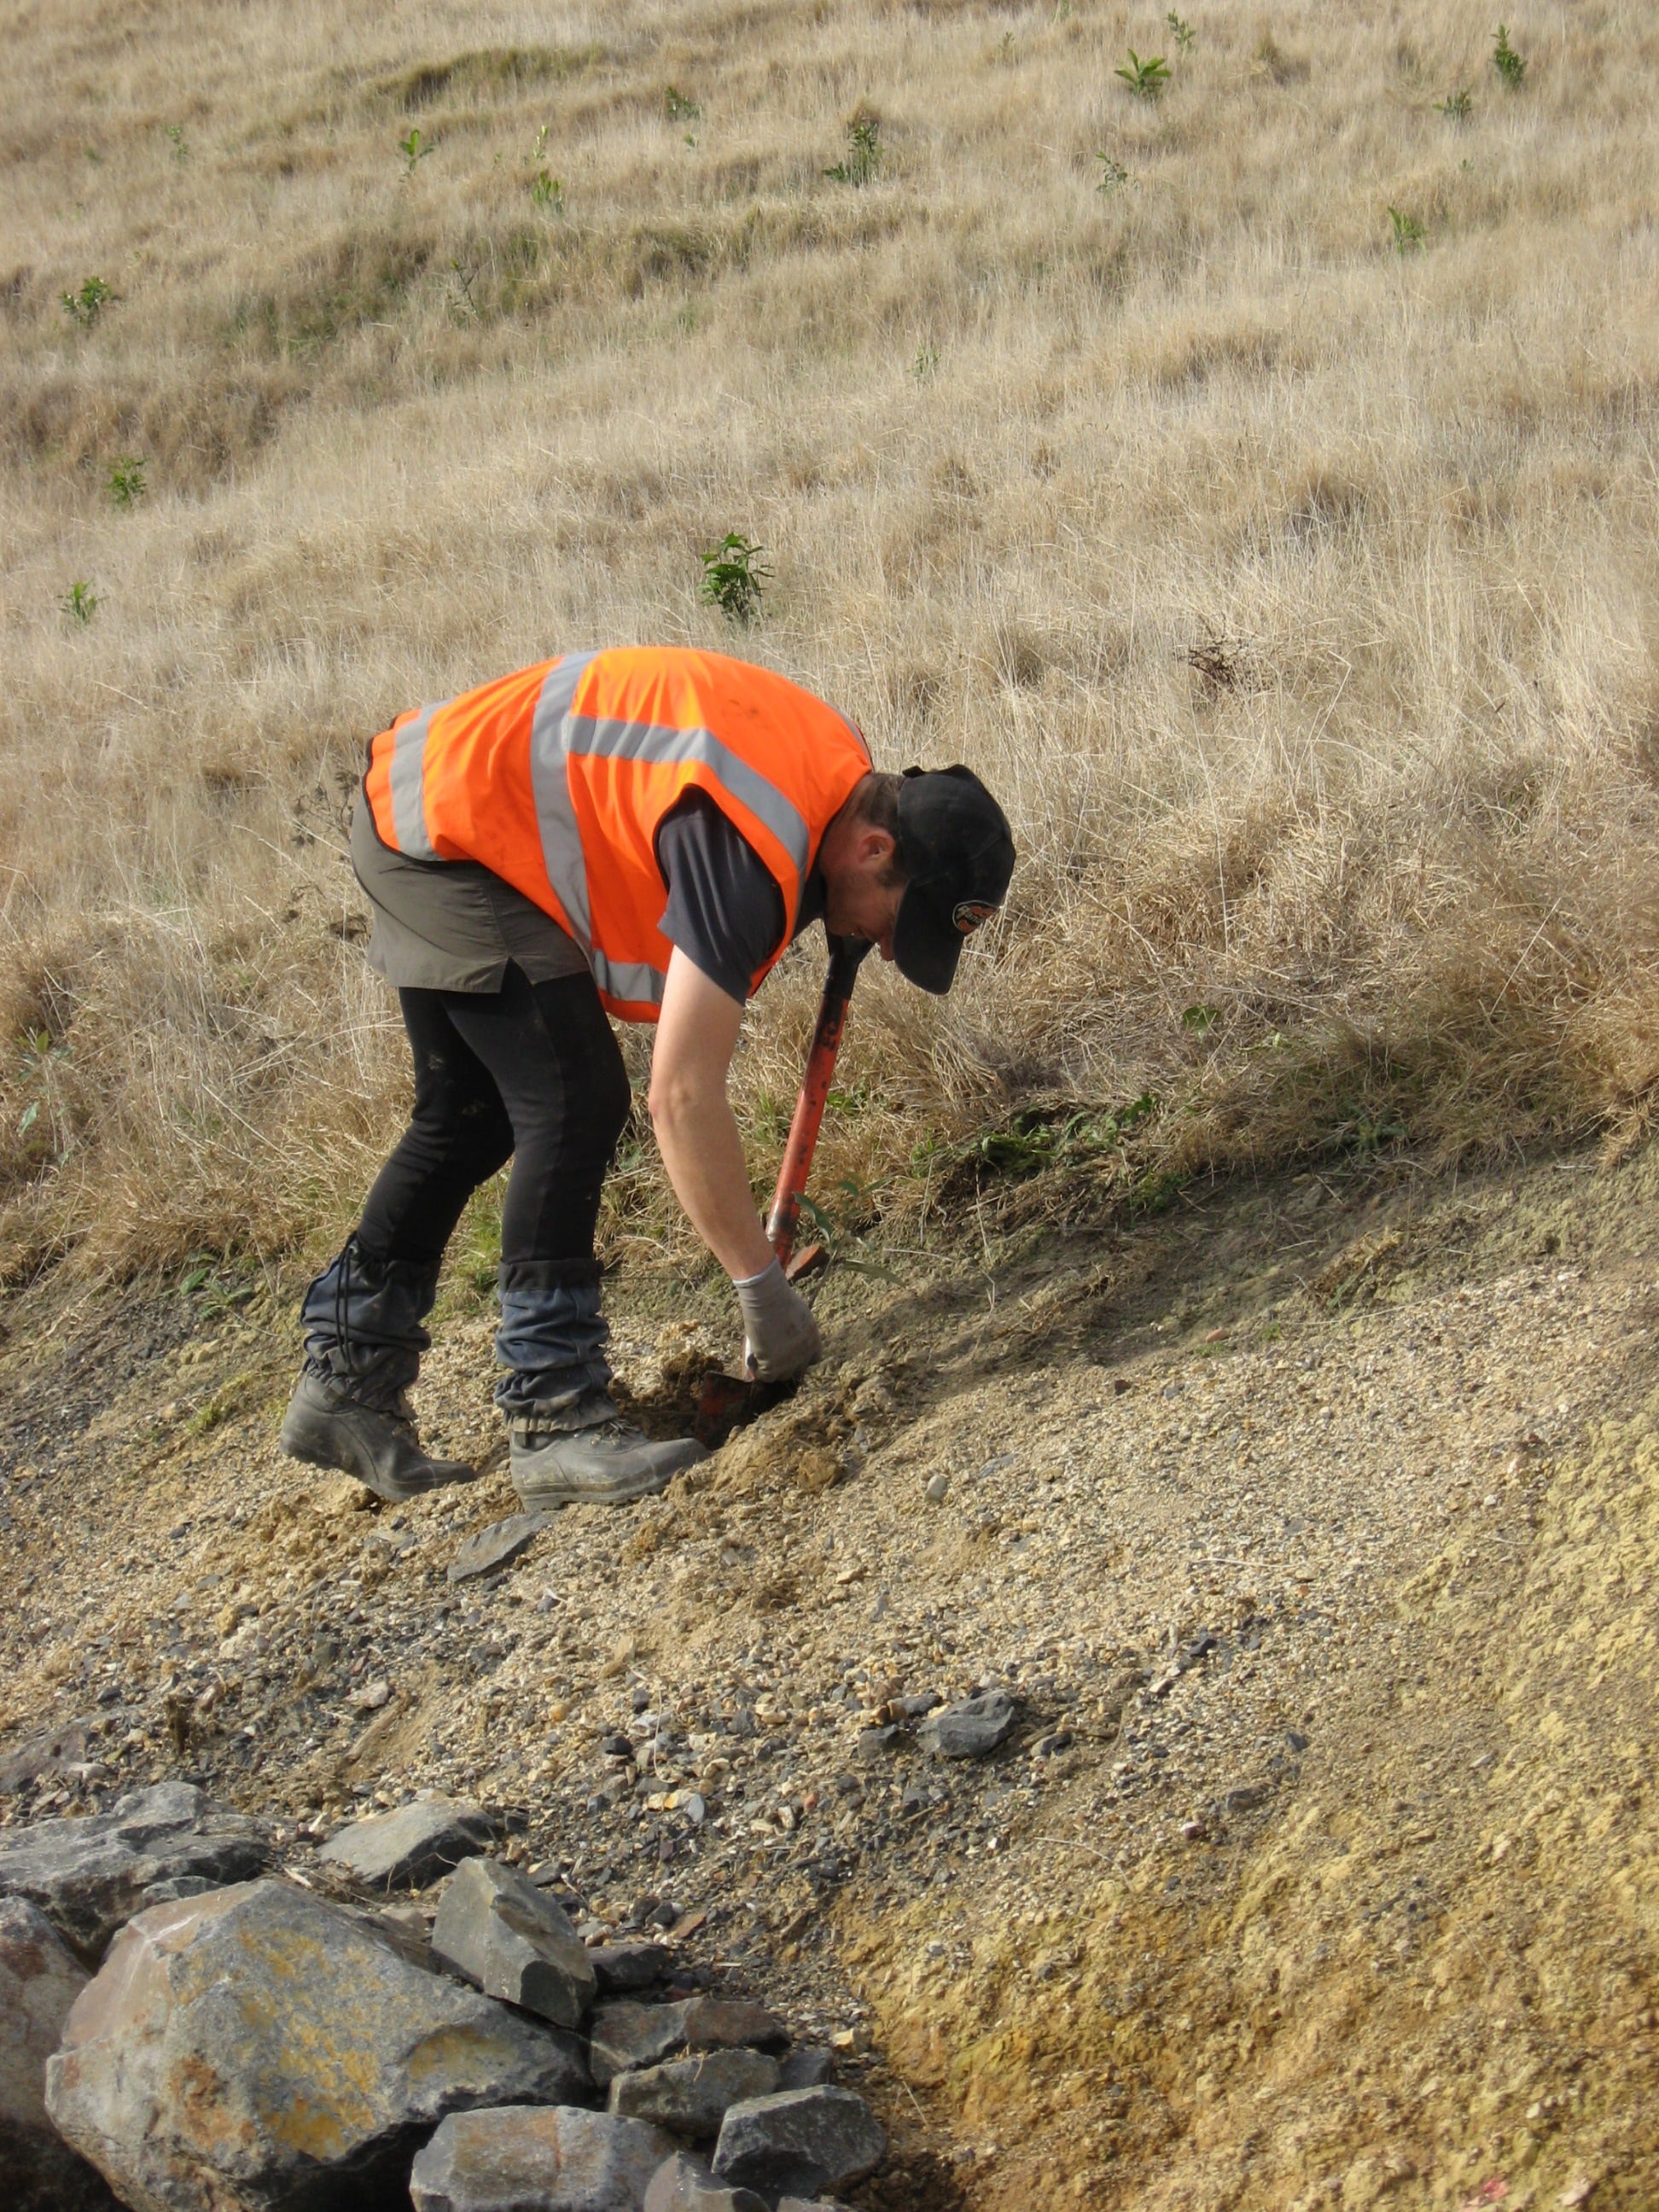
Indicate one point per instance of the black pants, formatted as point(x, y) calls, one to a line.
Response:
point(531, 1072)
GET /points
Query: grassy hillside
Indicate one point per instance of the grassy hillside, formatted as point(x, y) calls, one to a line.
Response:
point(1256, 482)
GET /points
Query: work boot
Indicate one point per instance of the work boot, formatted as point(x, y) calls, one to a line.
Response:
point(362, 1319)
point(326, 1425)
point(605, 1463)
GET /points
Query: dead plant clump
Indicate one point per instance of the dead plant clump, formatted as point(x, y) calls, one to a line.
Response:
point(1294, 588)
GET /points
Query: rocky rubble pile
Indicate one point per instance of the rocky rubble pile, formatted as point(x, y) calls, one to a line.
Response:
point(188, 2026)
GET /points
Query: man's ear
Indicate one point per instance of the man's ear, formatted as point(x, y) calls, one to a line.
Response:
point(876, 847)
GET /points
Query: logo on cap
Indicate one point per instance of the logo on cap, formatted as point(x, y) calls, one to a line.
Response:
point(968, 914)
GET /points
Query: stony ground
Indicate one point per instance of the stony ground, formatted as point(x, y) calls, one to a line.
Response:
point(1314, 1528)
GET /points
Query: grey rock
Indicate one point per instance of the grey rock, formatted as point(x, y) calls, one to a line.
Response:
point(409, 1847)
point(808, 2204)
point(626, 2036)
point(90, 1875)
point(872, 1742)
point(177, 1885)
point(624, 1966)
point(807, 2067)
point(261, 2051)
point(1246, 1799)
point(691, 2096)
point(804, 2140)
point(498, 1546)
point(527, 2159)
point(973, 1729)
point(685, 2184)
point(51, 1754)
point(496, 1928)
point(39, 1980)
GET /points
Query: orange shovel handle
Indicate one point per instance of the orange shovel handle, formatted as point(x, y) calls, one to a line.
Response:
point(784, 1220)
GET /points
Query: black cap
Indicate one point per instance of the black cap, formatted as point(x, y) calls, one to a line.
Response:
point(955, 846)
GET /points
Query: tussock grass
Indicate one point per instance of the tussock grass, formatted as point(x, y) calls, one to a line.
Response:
point(1298, 595)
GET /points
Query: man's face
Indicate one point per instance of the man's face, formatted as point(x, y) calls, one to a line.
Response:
point(858, 902)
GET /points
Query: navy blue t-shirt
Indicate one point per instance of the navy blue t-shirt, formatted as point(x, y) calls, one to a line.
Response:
point(725, 912)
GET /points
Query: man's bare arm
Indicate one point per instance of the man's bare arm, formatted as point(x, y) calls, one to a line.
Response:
point(697, 1131)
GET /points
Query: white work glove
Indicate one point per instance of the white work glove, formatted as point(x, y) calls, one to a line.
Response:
point(783, 1338)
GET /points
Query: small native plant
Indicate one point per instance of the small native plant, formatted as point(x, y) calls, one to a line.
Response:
point(733, 576)
point(83, 307)
point(547, 192)
point(1180, 30)
point(174, 134)
point(80, 602)
point(1456, 107)
point(126, 480)
point(414, 149)
point(1408, 232)
point(863, 153)
point(1147, 80)
point(1112, 174)
point(679, 106)
point(926, 363)
point(1510, 65)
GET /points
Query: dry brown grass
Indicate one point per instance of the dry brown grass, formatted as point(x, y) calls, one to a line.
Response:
point(1298, 595)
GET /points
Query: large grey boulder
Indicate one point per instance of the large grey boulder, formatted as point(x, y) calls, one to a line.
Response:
point(523, 2159)
point(626, 2036)
point(496, 1927)
point(685, 2184)
point(39, 1980)
point(801, 2143)
point(261, 2051)
point(409, 1847)
point(973, 1729)
point(690, 2096)
point(90, 1875)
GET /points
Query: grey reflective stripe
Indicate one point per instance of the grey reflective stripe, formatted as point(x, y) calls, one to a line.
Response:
point(549, 781)
point(630, 981)
point(407, 780)
point(650, 741)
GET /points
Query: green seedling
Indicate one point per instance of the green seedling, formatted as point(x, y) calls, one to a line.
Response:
point(863, 152)
point(548, 192)
point(1180, 30)
point(1510, 65)
point(414, 149)
point(1408, 232)
point(1146, 80)
point(1200, 1020)
point(1457, 106)
point(679, 106)
point(126, 480)
point(83, 307)
point(733, 576)
point(1112, 174)
point(175, 138)
point(80, 602)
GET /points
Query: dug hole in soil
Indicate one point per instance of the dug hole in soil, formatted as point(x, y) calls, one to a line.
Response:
point(1312, 1526)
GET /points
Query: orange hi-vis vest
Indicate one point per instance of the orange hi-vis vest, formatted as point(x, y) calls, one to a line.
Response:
point(557, 779)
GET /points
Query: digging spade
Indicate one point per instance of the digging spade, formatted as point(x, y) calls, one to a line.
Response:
point(724, 1401)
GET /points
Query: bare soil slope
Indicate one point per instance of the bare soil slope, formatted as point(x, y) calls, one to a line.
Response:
point(1315, 1525)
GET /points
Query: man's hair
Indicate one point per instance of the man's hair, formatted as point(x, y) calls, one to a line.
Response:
point(876, 802)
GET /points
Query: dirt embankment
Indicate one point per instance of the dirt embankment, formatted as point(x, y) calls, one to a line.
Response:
point(1315, 1528)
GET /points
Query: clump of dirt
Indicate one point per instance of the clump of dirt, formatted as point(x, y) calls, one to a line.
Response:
point(1312, 1532)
